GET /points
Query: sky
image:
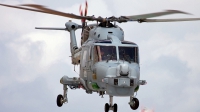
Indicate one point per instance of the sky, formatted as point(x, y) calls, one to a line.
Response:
point(33, 61)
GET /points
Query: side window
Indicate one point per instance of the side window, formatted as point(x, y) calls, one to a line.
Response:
point(84, 58)
point(136, 55)
point(90, 51)
point(95, 54)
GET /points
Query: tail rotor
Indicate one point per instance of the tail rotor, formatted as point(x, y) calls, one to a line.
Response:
point(85, 13)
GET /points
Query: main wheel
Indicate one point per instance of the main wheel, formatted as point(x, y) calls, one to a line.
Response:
point(115, 107)
point(106, 108)
point(135, 104)
point(60, 100)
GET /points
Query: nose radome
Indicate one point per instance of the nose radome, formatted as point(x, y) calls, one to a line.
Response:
point(123, 69)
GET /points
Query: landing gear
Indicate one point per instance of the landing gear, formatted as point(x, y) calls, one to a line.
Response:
point(62, 98)
point(134, 103)
point(106, 108)
point(115, 107)
point(110, 106)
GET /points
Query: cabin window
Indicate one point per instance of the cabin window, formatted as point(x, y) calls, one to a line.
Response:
point(129, 54)
point(104, 53)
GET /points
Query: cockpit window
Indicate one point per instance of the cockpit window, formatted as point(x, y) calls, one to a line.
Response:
point(104, 53)
point(129, 54)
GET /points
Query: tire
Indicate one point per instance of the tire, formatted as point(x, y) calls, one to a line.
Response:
point(59, 100)
point(106, 108)
point(115, 107)
point(136, 104)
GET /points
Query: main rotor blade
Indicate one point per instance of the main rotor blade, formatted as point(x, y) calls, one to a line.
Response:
point(156, 14)
point(168, 20)
point(42, 9)
point(46, 28)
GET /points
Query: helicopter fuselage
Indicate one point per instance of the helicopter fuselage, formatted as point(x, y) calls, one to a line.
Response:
point(107, 62)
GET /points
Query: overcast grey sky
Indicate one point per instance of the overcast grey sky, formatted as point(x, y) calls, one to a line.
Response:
point(33, 61)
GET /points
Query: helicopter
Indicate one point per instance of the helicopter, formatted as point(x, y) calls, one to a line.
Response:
point(108, 64)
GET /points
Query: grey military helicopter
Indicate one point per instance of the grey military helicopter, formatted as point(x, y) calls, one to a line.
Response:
point(108, 64)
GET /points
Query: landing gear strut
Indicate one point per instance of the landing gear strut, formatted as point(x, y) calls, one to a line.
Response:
point(134, 103)
point(62, 98)
point(110, 106)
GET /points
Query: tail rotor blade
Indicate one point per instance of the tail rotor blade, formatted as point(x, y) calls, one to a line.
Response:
point(81, 13)
point(86, 8)
point(85, 13)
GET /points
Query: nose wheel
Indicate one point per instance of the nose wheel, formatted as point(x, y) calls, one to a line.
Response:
point(106, 107)
point(110, 106)
point(134, 103)
point(115, 107)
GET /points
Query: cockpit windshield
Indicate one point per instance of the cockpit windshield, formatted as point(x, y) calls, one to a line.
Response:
point(129, 54)
point(102, 53)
